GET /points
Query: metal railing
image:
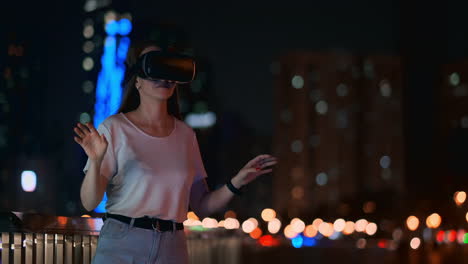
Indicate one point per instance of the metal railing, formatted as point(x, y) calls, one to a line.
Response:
point(39, 239)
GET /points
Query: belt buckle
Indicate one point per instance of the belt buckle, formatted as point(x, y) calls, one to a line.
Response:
point(157, 228)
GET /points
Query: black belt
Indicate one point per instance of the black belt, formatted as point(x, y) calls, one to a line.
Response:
point(147, 222)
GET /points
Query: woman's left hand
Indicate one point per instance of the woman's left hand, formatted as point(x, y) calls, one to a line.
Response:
point(253, 169)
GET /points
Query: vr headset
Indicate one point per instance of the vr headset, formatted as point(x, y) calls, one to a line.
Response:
point(163, 65)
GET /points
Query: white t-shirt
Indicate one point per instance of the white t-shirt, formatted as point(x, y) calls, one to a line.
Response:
point(149, 175)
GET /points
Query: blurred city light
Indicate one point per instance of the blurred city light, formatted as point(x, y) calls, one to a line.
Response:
point(88, 63)
point(360, 225)
point(361, 243)
point(339, 225)
point(459, 197)
point(412, 223)
point(415, 243)
point(85, 118)
point(297, 241)
point(369, 207)
point(230, 214)
point(248, 226)
point(322, 179)
point(297, 82)
point(321, 107)
point(201, 120)
point(88, 31)
point(209, 223)
point(28, 181)
point(268, 241)
point(440, 236)
point(274, 226)
point(450, 236)
point(310, 231)
point(256, 233)
point(326, 229)
point(316, 223)
point(268, 214)
point(289, 232)
point(349, 228)
point(192, 215)
point(231, 223)
point(433, 221)
point(371, 229)
point(297, 225)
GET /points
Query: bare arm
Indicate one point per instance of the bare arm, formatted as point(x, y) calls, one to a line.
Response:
point(93, 186)
point(95, 146)
point(205, 203)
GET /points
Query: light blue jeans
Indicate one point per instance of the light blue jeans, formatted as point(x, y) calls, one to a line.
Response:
point(121, 243)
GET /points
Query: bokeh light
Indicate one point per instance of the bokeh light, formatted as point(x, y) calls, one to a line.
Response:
point(297, 82)
point(415, 243)
point(433, 221)
point(339, 225)
point(192, 215)
point(209, 223)
point(371, 229)
point(248, 226)
point(256, 233)
point(310, 231)
point(297, 225)
point(289, 232)
point(412, 223)
point(326, 229)
point(231, 223)
point(349, 228)
point(230, 214)
point(268, 214)
point(274, 226)
point(28, 181)
point(361, 243)
point(88, 63)
point(459, 197)
point(360, 225)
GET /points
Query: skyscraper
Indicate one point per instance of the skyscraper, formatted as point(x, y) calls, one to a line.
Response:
point(333, 134)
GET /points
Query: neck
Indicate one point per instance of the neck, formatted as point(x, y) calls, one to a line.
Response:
point(153, 112)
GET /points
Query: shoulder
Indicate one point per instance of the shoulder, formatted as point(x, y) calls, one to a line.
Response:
point(111, 122)
point(184, 128)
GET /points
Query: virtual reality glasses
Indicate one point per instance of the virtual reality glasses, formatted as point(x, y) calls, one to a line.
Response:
point(169, 66)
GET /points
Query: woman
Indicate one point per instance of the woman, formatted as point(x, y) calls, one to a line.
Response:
point(148, 161)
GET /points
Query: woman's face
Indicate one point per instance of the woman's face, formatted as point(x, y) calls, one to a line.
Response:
point(159, 89)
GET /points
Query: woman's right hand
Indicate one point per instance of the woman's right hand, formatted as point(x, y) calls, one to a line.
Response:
point(94, 145)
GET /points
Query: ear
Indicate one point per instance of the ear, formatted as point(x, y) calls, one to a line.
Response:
point(138, 82)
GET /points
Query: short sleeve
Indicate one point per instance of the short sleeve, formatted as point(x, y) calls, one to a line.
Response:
point(200, 172)
point(109, 162)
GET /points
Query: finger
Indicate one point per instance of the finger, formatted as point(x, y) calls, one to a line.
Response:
point(256, 160)
point(84, 128)
point(268, 164)
point(267, 161)
point(90, 127)
point(79, 132)
point(264, 171)
point(251, 170)
point(78, 140)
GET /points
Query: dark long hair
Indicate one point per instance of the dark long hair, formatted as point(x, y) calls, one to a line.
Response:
point(131, 98)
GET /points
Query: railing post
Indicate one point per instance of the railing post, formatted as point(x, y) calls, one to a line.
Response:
point(49, 249)
point(29, 243)
point(68, 249)
point(17, 248)
point(39, 248)
point(59, 249)
point(5, 247)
